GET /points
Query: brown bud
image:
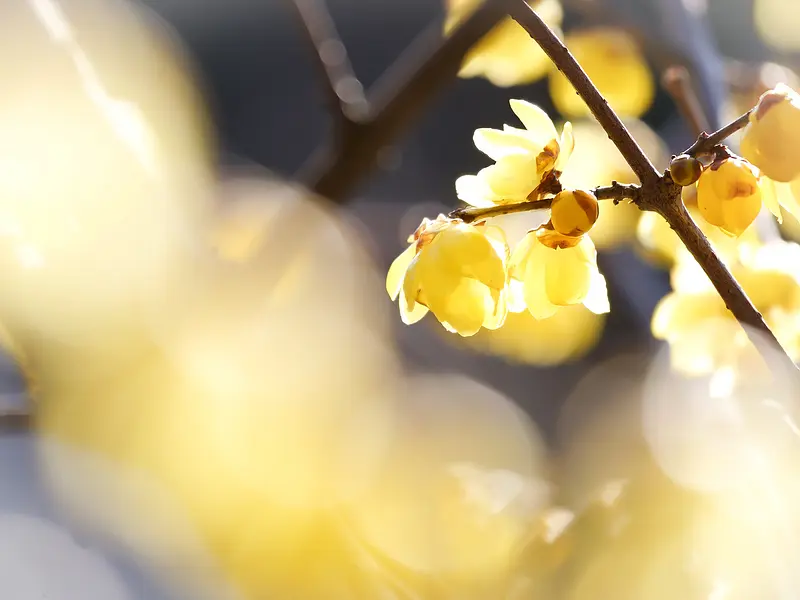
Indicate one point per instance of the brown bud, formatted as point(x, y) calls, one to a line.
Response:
point(685, 170)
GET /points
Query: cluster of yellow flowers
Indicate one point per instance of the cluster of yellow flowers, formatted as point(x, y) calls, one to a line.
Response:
point(507, 57)
point(730, 194)
point(466, 273)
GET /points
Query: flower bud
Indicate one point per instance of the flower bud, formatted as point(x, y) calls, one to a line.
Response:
point(574, 212)
point(729, 195)
point(770, 140)
point(685, 170)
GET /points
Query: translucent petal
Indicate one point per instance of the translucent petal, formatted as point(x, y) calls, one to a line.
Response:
point(513, 177)
point(597, 298)
point(470, 252)
point(567, 146)
point(474, 190)
point(465, 307)
point(515, 296)
point(519, 257)
point(397, 271)
point(496, 143)
point(412, 283)
point(535, 291)
point(535, 121)
point(568, 276)
point(496, 309)
point(770, 197)
point(409, 317)
point(787, 198)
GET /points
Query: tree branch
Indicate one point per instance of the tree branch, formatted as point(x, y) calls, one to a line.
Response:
point(15, 423)
point(348, 105)
point(659, 193)
point(616, 192)
point(566, 63)
point(429, 65)
point(678, 83)
point(707, 142)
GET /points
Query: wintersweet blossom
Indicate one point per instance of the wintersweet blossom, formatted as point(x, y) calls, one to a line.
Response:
point(523, 158)
point(457, 271)
point(549, 271)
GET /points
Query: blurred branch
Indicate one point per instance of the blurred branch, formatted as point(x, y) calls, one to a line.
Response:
point(345, 93)
point(678, 83)
point(616, 192)
point(429, 65)
point(658, 192)
point(15, 422)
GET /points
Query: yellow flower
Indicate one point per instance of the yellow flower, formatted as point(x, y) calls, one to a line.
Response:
point(770, 140)
point(523, 157)
point(613, 61)
point(507, 55)
point(455, 270)
point(548, 271)
point(729, 195)
point(703, 336)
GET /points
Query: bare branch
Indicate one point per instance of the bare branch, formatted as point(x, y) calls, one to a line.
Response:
point(348, 104)
point(616, 192)
point(427, 67)
point(15, 423)
point(678, 82)
point(707, 142)
point(566, 63)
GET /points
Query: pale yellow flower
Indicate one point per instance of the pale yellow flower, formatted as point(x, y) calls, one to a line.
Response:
point(523, 157)
point(455, 270)
point(507, 55)
point(549, 275)
point(729, 195)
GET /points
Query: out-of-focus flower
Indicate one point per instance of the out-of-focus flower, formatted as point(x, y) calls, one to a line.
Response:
point(613, 61)
point(777, 23)
point(523, 158)
point(507, 55)
point(567, 335)
point(549, 271)
point(455, 270)
point(703, 336)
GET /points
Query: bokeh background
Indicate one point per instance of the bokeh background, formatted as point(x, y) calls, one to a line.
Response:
point(266, 105)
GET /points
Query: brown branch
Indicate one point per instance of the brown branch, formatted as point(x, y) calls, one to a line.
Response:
point(15, 423)
point(348, 104)
point(659, 193)
point(678, 83)
point(566, 63)
point(725, 283)
point(615, 192)
point(707, 142)
point(429, 65)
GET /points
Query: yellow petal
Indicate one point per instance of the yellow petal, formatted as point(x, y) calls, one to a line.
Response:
point(520, 256)
point(496, 144)
point(568, 276)
point(397, 271)
point(409, 317)
point(770, 197)
point(412, 283)
point(513, 177)
point(597, 298)
point(567, 145)
point(464, 308)
point(496, 309)
point(474, 190)
point(535, 120)
point(535, 290)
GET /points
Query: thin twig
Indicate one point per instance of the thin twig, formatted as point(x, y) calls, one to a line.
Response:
point(678, 82)
point(707, 142)
point(659, 193)
point(615, 192)
point(345, 93)
point(427, 67)
point(566, 63)
point(15, 423)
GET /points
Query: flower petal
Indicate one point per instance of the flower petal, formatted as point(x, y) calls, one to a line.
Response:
point(597, 298)
point(409, 317)
point(496, 143)
point(397, 271)
point(536, 121)
point(474, 190)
